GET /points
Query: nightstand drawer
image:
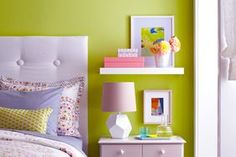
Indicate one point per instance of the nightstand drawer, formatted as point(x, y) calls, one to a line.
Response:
point(121, 151)
point(163, 150)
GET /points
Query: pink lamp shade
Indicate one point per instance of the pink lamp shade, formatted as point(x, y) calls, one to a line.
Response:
point(119, 97)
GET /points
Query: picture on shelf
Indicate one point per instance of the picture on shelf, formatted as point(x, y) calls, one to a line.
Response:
point(147, 31)
point(150, 36)
point(157, 103)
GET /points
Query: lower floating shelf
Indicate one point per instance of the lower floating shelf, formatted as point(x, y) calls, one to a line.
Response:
point(142, 71)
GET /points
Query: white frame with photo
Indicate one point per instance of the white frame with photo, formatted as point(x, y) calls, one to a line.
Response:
point(138, 22)
point(157, 119)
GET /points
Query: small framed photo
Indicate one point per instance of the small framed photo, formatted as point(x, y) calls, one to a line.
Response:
point(146, 30)
point(157, 105)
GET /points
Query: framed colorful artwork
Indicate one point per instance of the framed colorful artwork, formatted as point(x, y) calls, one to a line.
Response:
point(147, 30)
point(157, 105)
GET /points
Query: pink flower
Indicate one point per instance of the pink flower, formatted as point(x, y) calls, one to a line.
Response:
point(175, 44)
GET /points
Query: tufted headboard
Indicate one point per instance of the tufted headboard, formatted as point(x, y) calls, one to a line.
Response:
point(47, 59)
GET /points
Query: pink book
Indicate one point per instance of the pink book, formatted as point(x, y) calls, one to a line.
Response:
point(123, 59)
point(124, 65)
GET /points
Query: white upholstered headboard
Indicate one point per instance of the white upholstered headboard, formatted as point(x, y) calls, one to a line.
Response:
point(47, 59)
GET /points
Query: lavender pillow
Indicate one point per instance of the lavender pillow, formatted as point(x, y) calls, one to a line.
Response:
point(68, 119)
point(34, 100)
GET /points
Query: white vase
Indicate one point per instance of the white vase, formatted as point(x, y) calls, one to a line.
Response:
point(162, 60)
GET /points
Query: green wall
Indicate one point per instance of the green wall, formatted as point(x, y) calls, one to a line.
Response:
point(107, 23)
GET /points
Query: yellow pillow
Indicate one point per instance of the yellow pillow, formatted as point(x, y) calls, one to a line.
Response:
point(21, 119)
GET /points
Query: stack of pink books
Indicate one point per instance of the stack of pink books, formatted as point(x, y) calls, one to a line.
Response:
point(123, 62)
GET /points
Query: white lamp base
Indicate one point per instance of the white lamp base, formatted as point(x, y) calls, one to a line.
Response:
point(119, 125)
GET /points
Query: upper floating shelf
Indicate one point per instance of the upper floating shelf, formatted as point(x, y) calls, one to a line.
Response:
point(142, 71)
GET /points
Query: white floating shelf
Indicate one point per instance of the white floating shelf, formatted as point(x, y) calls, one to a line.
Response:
point(142, 71)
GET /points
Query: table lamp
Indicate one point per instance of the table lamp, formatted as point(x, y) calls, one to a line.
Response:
point(119, 97)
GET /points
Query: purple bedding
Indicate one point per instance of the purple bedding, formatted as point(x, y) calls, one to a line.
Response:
point(73, 141)
point(20, 144)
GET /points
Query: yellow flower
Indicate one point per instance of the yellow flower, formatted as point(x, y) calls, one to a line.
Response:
point(164, 47)
point(175, 44)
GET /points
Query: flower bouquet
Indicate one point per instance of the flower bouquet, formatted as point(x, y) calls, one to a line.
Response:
point(162, 51)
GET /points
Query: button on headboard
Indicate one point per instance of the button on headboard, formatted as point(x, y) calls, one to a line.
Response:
point(47, 59)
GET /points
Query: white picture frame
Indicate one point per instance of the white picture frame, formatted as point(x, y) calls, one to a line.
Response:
point(155, 116)
point(139, 22)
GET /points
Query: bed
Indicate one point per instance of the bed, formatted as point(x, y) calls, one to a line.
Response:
point(47, 59)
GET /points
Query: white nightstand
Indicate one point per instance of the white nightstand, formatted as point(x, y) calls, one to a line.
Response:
point(132, 147)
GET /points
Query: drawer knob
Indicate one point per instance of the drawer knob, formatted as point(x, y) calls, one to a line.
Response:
point(122, 152)
point(162, 152)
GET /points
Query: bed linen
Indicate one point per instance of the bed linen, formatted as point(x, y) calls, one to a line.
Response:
point(73, 141)
point(17, 144)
